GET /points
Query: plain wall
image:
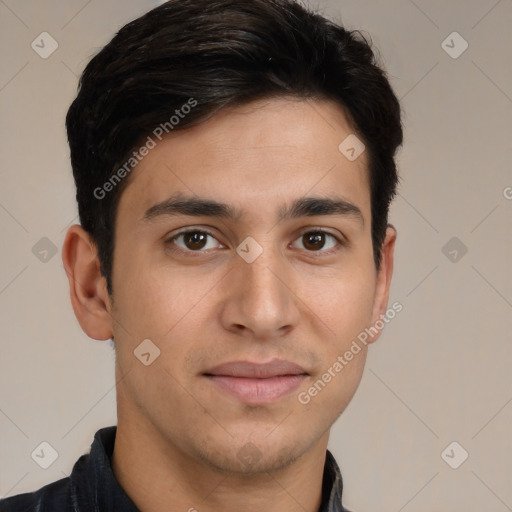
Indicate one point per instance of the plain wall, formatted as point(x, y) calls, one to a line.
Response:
point(440, 371)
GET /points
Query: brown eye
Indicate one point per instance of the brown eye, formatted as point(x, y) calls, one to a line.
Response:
point(192, 241)
point(318, 241)
point(314, 241)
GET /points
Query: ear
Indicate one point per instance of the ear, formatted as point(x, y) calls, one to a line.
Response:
point(384, 275)
point(88, 289)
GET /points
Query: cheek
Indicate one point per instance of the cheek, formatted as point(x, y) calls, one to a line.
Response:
point(344, 303)
point(151, 298)
point(153, 306)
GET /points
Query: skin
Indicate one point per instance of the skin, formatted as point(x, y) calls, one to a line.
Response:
point(179, 436)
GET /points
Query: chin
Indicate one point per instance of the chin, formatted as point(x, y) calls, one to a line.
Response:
point(256, 456)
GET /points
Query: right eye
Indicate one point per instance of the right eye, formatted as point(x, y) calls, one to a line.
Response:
point(193, 241)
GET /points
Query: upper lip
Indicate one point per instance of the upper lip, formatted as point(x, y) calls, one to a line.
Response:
point(248, 369)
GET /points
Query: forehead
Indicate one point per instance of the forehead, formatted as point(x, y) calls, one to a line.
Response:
point(254, 157)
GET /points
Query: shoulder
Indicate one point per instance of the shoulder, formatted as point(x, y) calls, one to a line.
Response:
point(90, 486)
point(54, 497)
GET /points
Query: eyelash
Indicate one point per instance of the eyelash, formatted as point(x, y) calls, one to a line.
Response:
point(191, 253)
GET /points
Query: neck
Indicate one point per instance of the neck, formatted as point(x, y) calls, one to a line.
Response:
point(158, 477)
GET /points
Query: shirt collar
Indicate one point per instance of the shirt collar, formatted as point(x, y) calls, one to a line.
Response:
point(94, 482)
point(332, 488)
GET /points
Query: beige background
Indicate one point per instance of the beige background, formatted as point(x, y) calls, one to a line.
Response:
point(441, 370)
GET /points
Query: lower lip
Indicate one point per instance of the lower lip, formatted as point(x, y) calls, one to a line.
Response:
point(258, 391)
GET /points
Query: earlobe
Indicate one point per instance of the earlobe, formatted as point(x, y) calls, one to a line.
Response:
point(87, 287)
point(384, 276)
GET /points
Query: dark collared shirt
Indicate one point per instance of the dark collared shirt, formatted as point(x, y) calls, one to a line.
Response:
point(92, 485)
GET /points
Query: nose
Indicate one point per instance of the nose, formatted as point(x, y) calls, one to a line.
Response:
point(260, 299)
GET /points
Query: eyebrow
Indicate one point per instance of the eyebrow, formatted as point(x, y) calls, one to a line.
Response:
point(179, 204)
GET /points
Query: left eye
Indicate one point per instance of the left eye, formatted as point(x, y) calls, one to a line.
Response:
point(315, 239)
point(193, 240)
point(196, 240)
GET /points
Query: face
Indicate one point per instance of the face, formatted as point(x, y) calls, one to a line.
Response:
point(252, 303)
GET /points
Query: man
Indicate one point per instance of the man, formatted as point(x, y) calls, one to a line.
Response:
point(234, 164)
